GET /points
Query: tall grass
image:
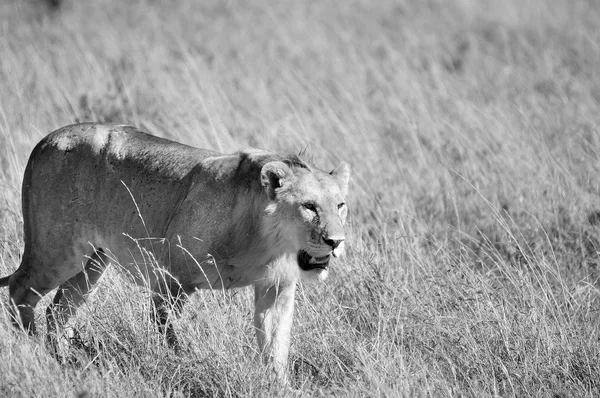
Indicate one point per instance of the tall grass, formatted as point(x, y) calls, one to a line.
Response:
point(472, 130)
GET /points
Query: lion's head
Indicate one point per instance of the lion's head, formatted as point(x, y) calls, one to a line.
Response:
point(308, 205)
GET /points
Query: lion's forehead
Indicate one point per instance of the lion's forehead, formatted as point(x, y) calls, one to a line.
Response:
point(318, 187)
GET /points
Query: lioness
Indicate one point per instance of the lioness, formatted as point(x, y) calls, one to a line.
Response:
point(178, 219)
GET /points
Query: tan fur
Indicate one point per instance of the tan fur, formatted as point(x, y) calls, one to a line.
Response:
point(177, 218)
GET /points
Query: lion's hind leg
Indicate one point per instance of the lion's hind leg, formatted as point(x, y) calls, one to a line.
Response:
point(23, 299)
point(168, 303)
point(69, 296)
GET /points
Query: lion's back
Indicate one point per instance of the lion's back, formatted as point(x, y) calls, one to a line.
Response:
point(89, 142)
point(92, 181)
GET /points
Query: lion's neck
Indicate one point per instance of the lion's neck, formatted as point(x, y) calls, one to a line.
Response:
point(277, 239)
point(268, 242)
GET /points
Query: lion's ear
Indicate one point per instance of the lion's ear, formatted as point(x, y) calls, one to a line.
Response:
point(342, 176)
point(275, 175)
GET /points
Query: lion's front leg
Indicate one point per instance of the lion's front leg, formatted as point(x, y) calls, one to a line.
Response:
point(273, 315)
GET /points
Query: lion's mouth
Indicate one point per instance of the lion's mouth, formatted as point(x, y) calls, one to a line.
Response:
point(308, 262)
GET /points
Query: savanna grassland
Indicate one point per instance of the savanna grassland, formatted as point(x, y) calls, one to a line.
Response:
point(472, 128)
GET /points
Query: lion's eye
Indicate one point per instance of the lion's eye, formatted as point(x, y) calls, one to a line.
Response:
point(341, 205)
point(310, 206)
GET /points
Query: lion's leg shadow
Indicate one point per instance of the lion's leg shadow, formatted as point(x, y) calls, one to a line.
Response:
point(70, 295)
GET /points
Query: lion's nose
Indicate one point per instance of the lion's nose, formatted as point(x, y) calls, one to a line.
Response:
point(334, 243)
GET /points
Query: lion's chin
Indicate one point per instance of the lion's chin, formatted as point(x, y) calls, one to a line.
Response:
point(316, 269)
point(315, 275)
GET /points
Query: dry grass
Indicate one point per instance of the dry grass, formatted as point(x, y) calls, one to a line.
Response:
point(472, 129)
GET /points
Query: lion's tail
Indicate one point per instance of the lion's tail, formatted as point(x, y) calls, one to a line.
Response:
point(4, 281)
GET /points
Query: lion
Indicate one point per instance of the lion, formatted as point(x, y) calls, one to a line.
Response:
point(177, 219)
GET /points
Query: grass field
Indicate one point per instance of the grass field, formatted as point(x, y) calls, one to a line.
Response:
point(472, 128)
